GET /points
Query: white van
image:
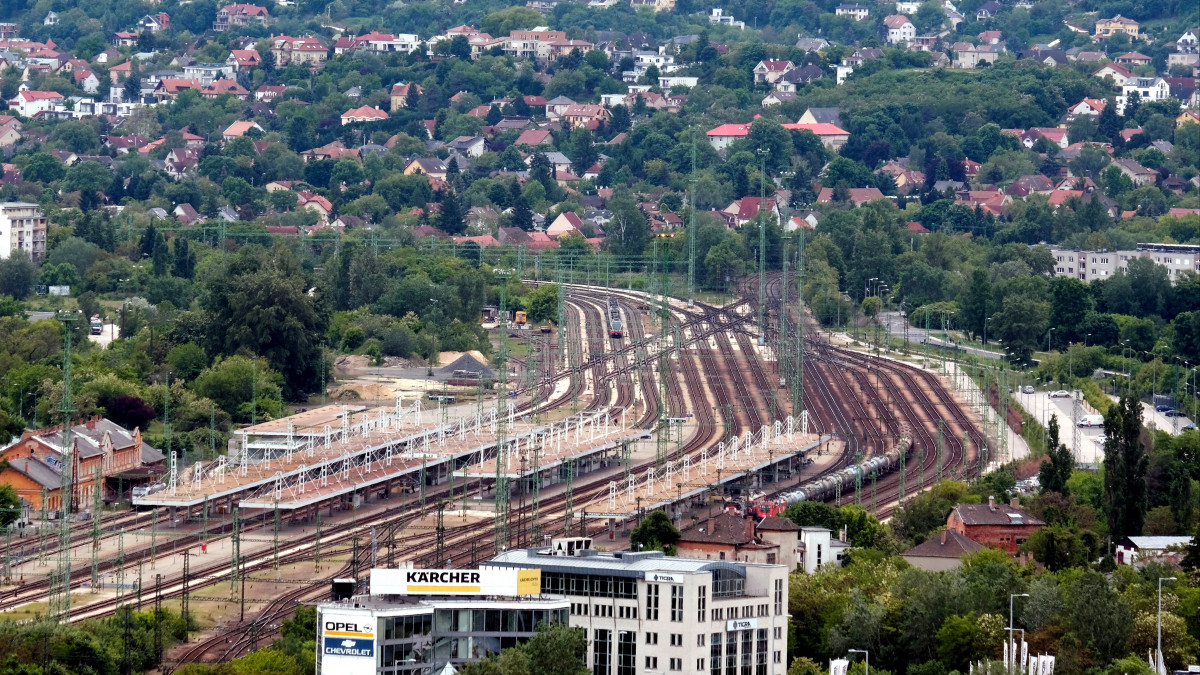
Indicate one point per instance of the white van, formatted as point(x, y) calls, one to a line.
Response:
point(1091, 421)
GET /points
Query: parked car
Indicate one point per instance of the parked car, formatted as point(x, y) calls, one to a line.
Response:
point(1061, 393)
point(1190, 427)
point(1162, 407)
point(1175, 413)
point(1027, 389)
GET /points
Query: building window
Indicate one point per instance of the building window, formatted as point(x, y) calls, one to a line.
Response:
point(677, 603)
point(651, 638)
point(779, 596)
point(760, 653)
point(626, 653)
point(778, 657)
point(718, 614)
point(731, 648)
point(628, 612)
point(700, 640)
point(779, 632)
point(714, 655)
point(701, 602)
point(676, 639)
point(700, 664)
point(602, 652)
point(651, 663)
point(676, 664)
point(652, 602)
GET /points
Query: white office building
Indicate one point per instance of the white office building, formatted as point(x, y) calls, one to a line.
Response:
point(22, 227)
point(1092, 265)
point(646, 613)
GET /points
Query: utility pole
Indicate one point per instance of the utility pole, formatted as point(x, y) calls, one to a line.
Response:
point(692, 226)
point(97, 488)
point(60, 590)
point(798, 388)
point(500, 525)
point(762, 245)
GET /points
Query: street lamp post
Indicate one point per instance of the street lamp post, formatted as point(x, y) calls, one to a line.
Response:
point(866, 659)
point(1048, 341)
point(1011, 597)
point(1159, 657)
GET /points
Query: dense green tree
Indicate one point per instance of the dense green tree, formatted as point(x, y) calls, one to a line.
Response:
point(655, 532)
point(1125, 466)
point(1054, 474)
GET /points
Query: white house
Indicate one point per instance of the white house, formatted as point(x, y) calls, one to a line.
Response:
point(29, 103)
point(899, 29)
point(1149, 88)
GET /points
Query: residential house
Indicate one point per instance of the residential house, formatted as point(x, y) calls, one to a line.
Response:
point(399, 94)
point(803, 219)
point(821, 116)
point(1141, 550)
point(1106, 28)
point(778, 97)
point(86, 80)
point(22, 227)
point(307, 199)
point(988, 10)
point(225, 87)
point(98, 445)
point(269, 92)
point(1055, 135)
point(585, 115)
point(534, 137)
point(567, 222)
point(1046, 56)
point(303, 50)
point(29, 102)
point(239, 129)
point(531, 44)
point(207, 73)
point(118, 73)
point(771, 70)
point(185, 213)
point(10, 131)
point(153, 23)
point(854, 11)
point(1002, 526)
point(333, 150)
point(1087, 106)
point(1137, 173)
point(243, 60)
point(1133, 59)
point(124, 38)
point(1148, 88)
point(379, 43)
point(857, 196)
point(732, 537)
point(742, 211)
point(719, 17)
point(899, 29)
point(430, 166)
point(557, 106)
point(468, 146)
point(237, 15)
point(1118, 73)
point(812, 44)
point(365, 113)
point(969, 56)
point(8, 31)
point(169, 88)
point(943, 551)
point(1189, 42)
point(51, 19)
point(990, 37)
point(798, 77)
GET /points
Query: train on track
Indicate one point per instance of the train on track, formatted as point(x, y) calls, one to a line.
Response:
point(827, 486)
point(616, 327)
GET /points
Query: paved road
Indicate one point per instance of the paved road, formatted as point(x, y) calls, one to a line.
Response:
point(106, 337)
point(895, 321)
point(1157, 420)
point(1091, 439)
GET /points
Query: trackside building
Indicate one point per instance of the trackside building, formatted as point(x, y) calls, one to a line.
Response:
point(646, 613)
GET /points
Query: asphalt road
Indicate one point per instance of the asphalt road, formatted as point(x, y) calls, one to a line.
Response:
point(896, 322)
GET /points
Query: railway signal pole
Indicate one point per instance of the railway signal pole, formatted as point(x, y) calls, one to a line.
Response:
point(692, 226)
point(500, 528)
point(762, 245)
point(60, 589)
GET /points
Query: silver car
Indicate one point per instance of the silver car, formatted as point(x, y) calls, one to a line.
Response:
point(1027, 389)
point(1061, 393)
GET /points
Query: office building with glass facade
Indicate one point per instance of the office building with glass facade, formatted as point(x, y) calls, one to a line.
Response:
point(650, 614)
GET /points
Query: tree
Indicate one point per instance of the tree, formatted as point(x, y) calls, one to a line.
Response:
point(17, 275)
point(1108, 126)
point(450, 218)
point(628, 229)
point(1097, 615)
point(1132, 103)
point(460, 47)
point(10, 505)
point(1058, 547)
point(522, 216)
point(43, 168)
point(159, 255)
point(1054, 474)
point(185, 261)
point(233, 383)
point(1125, 466)
point(1070, 301)
point(1020, 324)
point(187, 360)
point(412, 97)
point(656, 532)
point(974, 304)
point(583, 151)
point(542, 303)
point(493, 115)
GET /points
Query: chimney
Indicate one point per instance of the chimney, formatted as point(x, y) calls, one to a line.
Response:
point(943, 537)
point(842, 534)
point(1015, 503)
point(991, 502)
point(91, 423)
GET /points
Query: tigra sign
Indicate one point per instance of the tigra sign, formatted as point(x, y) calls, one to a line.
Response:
point(492, 581)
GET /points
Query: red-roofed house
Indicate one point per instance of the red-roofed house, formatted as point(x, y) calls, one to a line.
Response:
point(567, 222)
point(1055, 135)
point(1133, 59)
point(239, 129)
point(1117, 72)
point(1059, 197)
point(771, 70)
point(29, 103)
point(86, 80)
point(1088, 106)
point(268, 92)
point(533, 138)
point(308, 199)
point(399, 94)
point(364, 114)
point(741, 211)
point(914, 226)
point(289, 50)
point(244, 59)
point(169, 88)
point(124, 38)
point(585, 115)
point(858, 196)
point(899, 29)
point(239, 14)
point(222, 87)
point(832, 136)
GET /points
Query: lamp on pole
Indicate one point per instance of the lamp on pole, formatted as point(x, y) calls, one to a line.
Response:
point(1160, 657)
point(1011, 597)
point(986, 319)
point(866, 659)
point(1048, 340)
